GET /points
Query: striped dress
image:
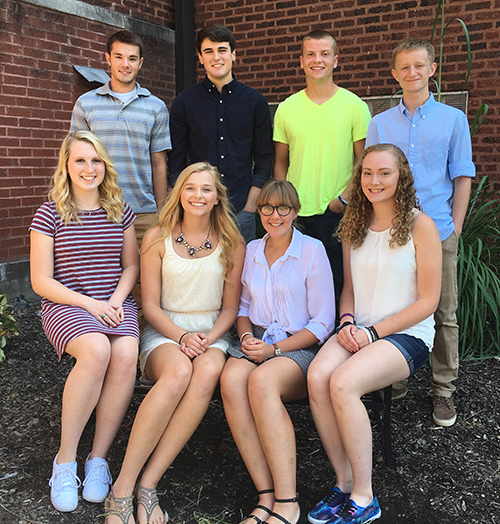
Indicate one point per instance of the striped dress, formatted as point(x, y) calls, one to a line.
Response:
point(86, 260)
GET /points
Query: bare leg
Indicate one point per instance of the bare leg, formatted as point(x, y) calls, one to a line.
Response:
point(82, 389)
point(184, 421)
point(277, 381)
point(234, 390)
point(370, 369)
point(116, 393)
point(171, 370)
point(329, 358)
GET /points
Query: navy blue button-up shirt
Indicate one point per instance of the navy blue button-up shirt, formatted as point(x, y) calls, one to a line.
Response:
point(230, 130)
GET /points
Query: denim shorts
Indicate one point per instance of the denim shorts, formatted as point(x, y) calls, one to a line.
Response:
point(414, 350)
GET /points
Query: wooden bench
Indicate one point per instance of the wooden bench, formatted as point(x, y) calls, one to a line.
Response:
point(379, 404)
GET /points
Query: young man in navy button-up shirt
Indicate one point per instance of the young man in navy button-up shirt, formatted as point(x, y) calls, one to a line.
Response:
point(226, 123)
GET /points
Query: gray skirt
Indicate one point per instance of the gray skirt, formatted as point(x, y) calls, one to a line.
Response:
point(303, 357)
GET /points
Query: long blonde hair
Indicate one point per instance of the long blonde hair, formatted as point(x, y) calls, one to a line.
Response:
point(110, 195)
point(354, 225)
point(222, 219)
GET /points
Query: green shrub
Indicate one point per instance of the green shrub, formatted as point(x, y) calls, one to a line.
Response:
point(479, 276)
point(8, 324)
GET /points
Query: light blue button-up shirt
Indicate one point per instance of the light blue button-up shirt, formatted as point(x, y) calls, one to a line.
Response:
point(436, 142)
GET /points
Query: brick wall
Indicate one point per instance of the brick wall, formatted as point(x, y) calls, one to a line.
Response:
point(38, 84)
point(38, 87)
point(268, 47)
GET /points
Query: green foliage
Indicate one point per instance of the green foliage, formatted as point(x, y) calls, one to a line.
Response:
point(8, 325)
point(483, 110)
point(479, 276)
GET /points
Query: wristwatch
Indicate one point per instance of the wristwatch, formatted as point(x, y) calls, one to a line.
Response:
point(277, 350)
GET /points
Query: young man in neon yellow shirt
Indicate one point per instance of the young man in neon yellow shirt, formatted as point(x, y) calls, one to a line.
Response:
point(318, 132)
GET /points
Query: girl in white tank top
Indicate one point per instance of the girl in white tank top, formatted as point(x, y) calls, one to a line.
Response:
point(392, 281)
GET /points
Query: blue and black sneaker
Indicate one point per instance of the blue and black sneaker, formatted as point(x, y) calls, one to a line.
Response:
point(327, 506)
point(354, 514)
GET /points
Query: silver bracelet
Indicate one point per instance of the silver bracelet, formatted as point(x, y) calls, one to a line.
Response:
point(244, 334)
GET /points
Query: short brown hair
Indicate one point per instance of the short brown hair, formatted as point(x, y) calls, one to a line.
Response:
point(318, 34)
point(215, 33)
point(282, 190)
point(125, 37)
point(412, 44)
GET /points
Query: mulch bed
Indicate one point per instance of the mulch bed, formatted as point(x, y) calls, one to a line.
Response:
point(442, 476)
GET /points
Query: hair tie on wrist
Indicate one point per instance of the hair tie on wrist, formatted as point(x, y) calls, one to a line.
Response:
point(183, 335)
point(342, 326)
point(347, 315)
point(342, 201)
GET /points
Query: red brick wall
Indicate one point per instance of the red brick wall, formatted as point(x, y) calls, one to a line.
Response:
point(160, 12)
point(268, 36)
point(38, 87)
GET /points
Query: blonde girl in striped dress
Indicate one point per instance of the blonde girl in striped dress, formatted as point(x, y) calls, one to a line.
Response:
point(84, 263)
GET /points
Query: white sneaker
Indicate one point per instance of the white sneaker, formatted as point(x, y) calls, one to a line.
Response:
point(97, 480)
point(64, 485)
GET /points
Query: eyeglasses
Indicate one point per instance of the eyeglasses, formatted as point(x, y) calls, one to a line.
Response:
point(267, 210)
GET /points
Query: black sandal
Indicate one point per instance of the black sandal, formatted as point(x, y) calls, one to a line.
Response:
point(280, 517)
point(259, 506)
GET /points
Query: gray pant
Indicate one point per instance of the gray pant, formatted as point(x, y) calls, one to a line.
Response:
point(246, 225)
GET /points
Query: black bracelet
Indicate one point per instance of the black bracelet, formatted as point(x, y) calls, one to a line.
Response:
point(184, 334)
point(342, 326)
point(374, 333)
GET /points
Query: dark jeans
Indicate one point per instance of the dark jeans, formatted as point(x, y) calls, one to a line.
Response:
point(322, 227)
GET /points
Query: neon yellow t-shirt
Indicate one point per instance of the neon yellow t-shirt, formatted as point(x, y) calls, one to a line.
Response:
point(320, 140)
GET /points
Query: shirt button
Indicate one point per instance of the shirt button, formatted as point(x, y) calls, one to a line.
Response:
point(220, 101)
point(411, 165)
point(222, 156)
point(412, 145)
point(221, 119)
point(222, 138)
point(222, 175)
point(414, 125)
point(423, 116)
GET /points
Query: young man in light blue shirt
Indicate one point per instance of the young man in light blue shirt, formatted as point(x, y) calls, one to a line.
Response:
point(436, 140)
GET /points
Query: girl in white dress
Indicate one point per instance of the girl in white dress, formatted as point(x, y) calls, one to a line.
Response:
point(191, 265)
point(392, 281)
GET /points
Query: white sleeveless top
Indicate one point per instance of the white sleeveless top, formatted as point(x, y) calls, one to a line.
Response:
point(385, 282)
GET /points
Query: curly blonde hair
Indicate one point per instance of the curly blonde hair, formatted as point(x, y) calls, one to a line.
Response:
point(222, 219)
point(354, 225)
point(110, 195)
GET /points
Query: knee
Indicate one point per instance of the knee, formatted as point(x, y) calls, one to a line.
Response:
point(125, 359)
point(175, 380)
point(339, 386)
point(96, 356)
point(233, 385)
point(317, 381)
point(261, 386)
point(207, 373)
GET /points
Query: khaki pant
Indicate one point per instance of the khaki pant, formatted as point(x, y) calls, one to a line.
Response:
point(142, 223)
point(444, 356)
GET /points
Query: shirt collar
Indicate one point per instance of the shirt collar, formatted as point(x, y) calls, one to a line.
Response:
point(106, 90)
point(424, 109)
point(209, 85)
point(294, 249)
